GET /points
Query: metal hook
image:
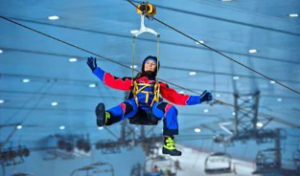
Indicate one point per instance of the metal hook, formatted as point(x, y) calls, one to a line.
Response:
point(144, 29)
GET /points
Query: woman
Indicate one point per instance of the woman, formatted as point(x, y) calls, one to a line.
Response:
point(145, 95)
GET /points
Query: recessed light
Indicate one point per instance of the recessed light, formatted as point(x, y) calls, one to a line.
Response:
point(62, 127)
point(294, 15)
point(26, 80)
point(272, 82)
point(134, 66)
point(1, 51)
point(200, 41)
point(73, 60)
point(193, 73)
point(236, 78)
point(19, 127)
point(218, 95)
point(53, 17)
point(259, 124)
point(54, 103)
point(92, 85)
point(1, 101)
point(100, 128)
point(197, 130)
point(205, 110)
point(233, 113)
point(279, 99)
point(252, 51)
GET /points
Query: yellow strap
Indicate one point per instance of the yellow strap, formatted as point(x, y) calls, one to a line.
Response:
point(134, 92)
point(142, 88)
point(156, 93)
point(142, 84)
point(147, 96)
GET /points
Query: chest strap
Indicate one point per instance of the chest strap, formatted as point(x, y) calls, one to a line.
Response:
point(137, 90)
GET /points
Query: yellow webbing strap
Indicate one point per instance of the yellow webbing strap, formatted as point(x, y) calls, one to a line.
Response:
point(134, 92)
point(156, 93)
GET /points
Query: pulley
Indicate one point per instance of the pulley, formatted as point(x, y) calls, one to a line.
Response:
point(146, 9)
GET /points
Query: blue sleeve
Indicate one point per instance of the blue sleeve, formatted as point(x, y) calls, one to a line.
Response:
point(99, 73)
point(193, 100)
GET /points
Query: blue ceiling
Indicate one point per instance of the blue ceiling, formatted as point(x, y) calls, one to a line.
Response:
point(103, 27)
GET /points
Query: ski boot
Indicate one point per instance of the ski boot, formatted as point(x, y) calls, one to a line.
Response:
point(169, 147)
point(102, 116)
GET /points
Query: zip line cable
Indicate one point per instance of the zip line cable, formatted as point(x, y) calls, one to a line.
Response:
point(29, 112)
point(110, 60)
point(220, 53)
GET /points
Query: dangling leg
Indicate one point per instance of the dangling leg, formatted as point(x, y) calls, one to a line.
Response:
point(113, 115)
point(169, 112)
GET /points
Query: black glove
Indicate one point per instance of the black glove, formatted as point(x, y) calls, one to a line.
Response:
point(206, 96)
point(92, 63)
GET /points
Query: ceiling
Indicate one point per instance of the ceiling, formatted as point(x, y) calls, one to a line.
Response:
point(103, 27)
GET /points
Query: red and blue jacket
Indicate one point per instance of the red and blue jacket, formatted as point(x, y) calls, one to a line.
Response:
point(125, 84)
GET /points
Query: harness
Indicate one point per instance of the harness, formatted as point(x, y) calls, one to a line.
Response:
point(136, 90)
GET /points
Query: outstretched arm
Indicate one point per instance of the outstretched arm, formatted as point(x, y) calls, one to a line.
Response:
point(182, 99)
point(107, 78)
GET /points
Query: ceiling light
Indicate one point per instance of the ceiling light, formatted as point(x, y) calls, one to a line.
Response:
point(218, 95)
point(236, 78)
point(272, 82)
point(182, 92)
point(62, 127)
point(279, 99)
point(193, 73)
point(92, 85)
point(100, 128)
point(1, 101)
point(205, 110)
point(73, 59)
point(1, 51)
point(226, 0)
point(54, 103)
point(54, 17)
point(233, 113)
point(197, 130)
point(294, 15)
point(200, 41)
point(19, 127)
point(134, 66)
point(252, 51)
point(259, 124)
point(26, 80)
